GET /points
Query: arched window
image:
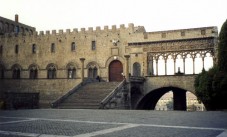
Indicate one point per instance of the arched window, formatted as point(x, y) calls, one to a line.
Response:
point(73, 46)
point(93, 45)
point(16, 72)
point(34, 48)
point(51, 71)
point(52, 49)
point(33, 72)
point(92, 70)
point(136, 69)
point(95, 72)
point(16, 49)
point(71, 71)
point(6, 28)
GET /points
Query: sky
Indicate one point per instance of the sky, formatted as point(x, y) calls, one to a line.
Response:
point(154, 15)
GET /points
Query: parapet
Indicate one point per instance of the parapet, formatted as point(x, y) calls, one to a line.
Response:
point(90, 30)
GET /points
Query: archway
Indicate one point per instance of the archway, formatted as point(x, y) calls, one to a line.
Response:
point(115, 71)
point(149, 101)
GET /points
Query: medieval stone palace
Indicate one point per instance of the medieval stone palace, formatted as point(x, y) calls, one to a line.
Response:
point(57, 64)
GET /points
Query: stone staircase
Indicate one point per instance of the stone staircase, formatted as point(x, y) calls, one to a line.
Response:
point(88, 96)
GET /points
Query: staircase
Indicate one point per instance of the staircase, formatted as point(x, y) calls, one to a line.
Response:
point(88, 96)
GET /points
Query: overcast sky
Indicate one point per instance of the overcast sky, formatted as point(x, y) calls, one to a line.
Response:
point(154, 15)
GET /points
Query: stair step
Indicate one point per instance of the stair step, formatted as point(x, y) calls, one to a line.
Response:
point(89, 96)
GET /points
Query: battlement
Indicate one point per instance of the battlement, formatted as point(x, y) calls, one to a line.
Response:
point(89, 30)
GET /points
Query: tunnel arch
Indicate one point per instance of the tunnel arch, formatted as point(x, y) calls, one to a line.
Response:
point(149, 101)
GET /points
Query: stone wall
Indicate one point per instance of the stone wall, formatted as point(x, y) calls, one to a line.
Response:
point(185, 82)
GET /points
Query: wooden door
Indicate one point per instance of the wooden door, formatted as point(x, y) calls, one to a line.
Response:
point(115, 71)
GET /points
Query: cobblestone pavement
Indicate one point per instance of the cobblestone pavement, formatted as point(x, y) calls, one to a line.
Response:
point(111, 123)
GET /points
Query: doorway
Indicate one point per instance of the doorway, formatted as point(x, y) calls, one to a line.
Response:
point(115, 71)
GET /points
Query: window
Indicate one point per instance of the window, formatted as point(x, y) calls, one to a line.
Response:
point(93, 45)
point(73, 46)
point(52, 48)
point(203, 32)
point(16, 49)
point(182, 33)
point(34, 48)
point(16, 73)
point(163, 35)
point(33, 72)
point(92, 72)
point(71, 74)
point(51, 72)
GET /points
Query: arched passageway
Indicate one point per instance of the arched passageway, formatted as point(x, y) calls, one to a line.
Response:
point(149, 101)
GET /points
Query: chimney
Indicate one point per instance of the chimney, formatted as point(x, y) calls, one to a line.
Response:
point(16, 18)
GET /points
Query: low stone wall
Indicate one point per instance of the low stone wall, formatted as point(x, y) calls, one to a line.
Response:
point(16, 100)
point(49, 89)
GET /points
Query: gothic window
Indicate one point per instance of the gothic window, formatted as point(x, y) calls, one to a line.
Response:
point(136, 69)
point(73, 46)
point(90, 75)
point(33, 72)
point(16, 49)
point(182, 33)
point(34, 48)
point(92, 71)
point(17, 29)
point(93, 45)
point(71, 71)
point(2, 72)
point(16, 72)
point(203, 32)
point(22, 29)
point(51, 72)
point(6, 27)
point(163, 35)
point(95, 72)
point(52, 49)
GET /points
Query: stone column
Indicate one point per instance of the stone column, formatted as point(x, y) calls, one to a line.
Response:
point(82, 69)
point(203, 62)
point(174, 63)
point(165, 67)
point(156, 67)
point(126, 67)
point(152, 67)
point(184, 65)
point(193, 59)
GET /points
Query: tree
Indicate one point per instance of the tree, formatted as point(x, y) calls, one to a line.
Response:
point(211, 85)
point(222, 48)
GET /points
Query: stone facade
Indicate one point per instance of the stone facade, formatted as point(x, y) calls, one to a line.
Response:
point(49, 63)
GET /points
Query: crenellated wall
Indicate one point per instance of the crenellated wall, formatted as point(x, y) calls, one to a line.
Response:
point(71, 45)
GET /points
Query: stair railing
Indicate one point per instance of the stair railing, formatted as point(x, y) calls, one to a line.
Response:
point(112, 94)
point(70, 92)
